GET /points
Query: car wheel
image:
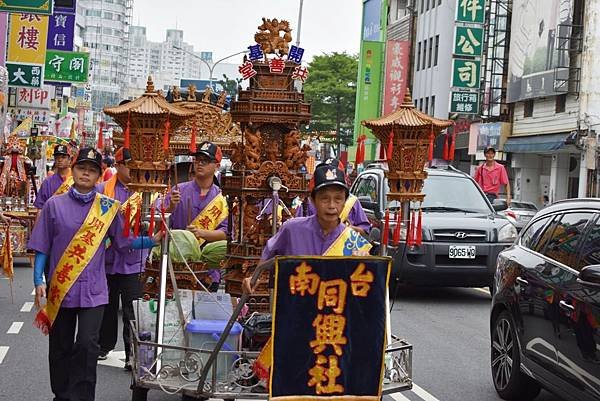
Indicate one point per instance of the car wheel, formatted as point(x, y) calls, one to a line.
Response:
point(509, 381)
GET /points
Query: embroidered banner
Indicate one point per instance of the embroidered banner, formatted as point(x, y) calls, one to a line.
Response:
point(329, 323)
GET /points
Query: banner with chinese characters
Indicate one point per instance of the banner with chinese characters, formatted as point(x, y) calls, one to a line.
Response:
point(36, 98)
point(468, 41)
point(464, 102)
point(24, 74)
point(27, 6)
point(61, 31)
point(396, 67)
point(466, 73)
point(471, 11)
point(66, 66)
point(27, 38)
point(329, 322)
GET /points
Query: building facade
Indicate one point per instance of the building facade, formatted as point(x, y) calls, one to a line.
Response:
point(106, 36)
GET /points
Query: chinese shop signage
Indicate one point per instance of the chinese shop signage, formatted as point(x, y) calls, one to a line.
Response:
point(66, 66)
point(27, 6)
point(329, 328)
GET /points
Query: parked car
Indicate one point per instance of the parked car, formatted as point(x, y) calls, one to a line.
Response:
point(545, 316)
point(462, 232)
point(519, 213)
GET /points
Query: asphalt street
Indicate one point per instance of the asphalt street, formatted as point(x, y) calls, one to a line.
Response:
point(447, 327)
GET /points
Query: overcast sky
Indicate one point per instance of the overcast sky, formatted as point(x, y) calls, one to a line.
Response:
point(228, 26)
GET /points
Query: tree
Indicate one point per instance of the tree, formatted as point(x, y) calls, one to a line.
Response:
point(331, 90)
point(230, 85)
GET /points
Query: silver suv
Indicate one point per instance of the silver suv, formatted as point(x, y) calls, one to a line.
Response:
point(462, 232)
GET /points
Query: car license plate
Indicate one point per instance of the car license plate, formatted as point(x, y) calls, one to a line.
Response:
point(461, 252)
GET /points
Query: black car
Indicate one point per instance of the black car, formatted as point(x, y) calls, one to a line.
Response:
point(545, 318)
point(462, 232)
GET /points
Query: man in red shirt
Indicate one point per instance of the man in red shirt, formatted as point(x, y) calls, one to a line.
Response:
point(491, 175)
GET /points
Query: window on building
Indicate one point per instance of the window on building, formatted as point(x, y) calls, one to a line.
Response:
point(421, 104)
point(107, 31)
point(108, 15)
point(418, 56)
point(427, 105)
point(528, 108)
point(424, 53)
point(439, 2)
point(422, 6)
point(437, 50)
point(427, 5)
point(430, 52)
point(401, 10)
point(433, 106)
point(561, 103)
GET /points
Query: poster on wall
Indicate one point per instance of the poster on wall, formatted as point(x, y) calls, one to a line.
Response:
point(537, 65)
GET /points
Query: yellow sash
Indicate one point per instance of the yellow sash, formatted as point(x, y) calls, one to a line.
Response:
point(134, 201)
point(348, 208)
point(64, 187)
point(77, 255)
point(212, 215)
point(348, 243)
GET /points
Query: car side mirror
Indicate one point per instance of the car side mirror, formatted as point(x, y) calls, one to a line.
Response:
point(590, 275)
point(499, 205)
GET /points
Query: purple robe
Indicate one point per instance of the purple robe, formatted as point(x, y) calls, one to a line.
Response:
point(190, 197)
point(47, 189)
point(300, 236)
point(60, 218)
point(356, 217)
point(125, 261)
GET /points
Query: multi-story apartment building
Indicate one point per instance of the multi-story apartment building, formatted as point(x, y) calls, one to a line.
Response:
point(106, 36)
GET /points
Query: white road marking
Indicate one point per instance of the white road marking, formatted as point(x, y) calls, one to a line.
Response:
point(27, 307)
point(3, 352)
point(15, 328)
point(115, 359)
point(423, 394)
point(33, 292)
point(398, 397)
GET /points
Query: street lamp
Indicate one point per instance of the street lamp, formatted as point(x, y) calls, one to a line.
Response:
point(210, 67)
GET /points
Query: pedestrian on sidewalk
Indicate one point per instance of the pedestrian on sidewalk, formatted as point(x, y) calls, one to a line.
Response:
point(123, 267)
point(491, 175)
point(70, 235)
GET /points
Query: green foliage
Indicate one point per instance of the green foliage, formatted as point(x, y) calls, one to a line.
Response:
point(331, 89)
point(230, 85)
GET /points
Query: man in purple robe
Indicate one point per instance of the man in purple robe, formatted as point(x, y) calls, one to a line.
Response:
point(73, 356)
point(314, 235)
point(188, 199)
point(62, 167)
point(123, 269)
point(356, 216)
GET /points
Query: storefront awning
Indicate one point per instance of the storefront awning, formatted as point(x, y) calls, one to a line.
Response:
point(538, 143)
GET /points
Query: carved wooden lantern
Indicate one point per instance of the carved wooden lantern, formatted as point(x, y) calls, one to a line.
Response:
point(149, 121)
point(412, 136)
point(210, 122)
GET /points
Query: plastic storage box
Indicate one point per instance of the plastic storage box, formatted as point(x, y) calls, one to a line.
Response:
point(204, 335)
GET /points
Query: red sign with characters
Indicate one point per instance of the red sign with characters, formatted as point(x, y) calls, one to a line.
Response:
point(397, 54)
